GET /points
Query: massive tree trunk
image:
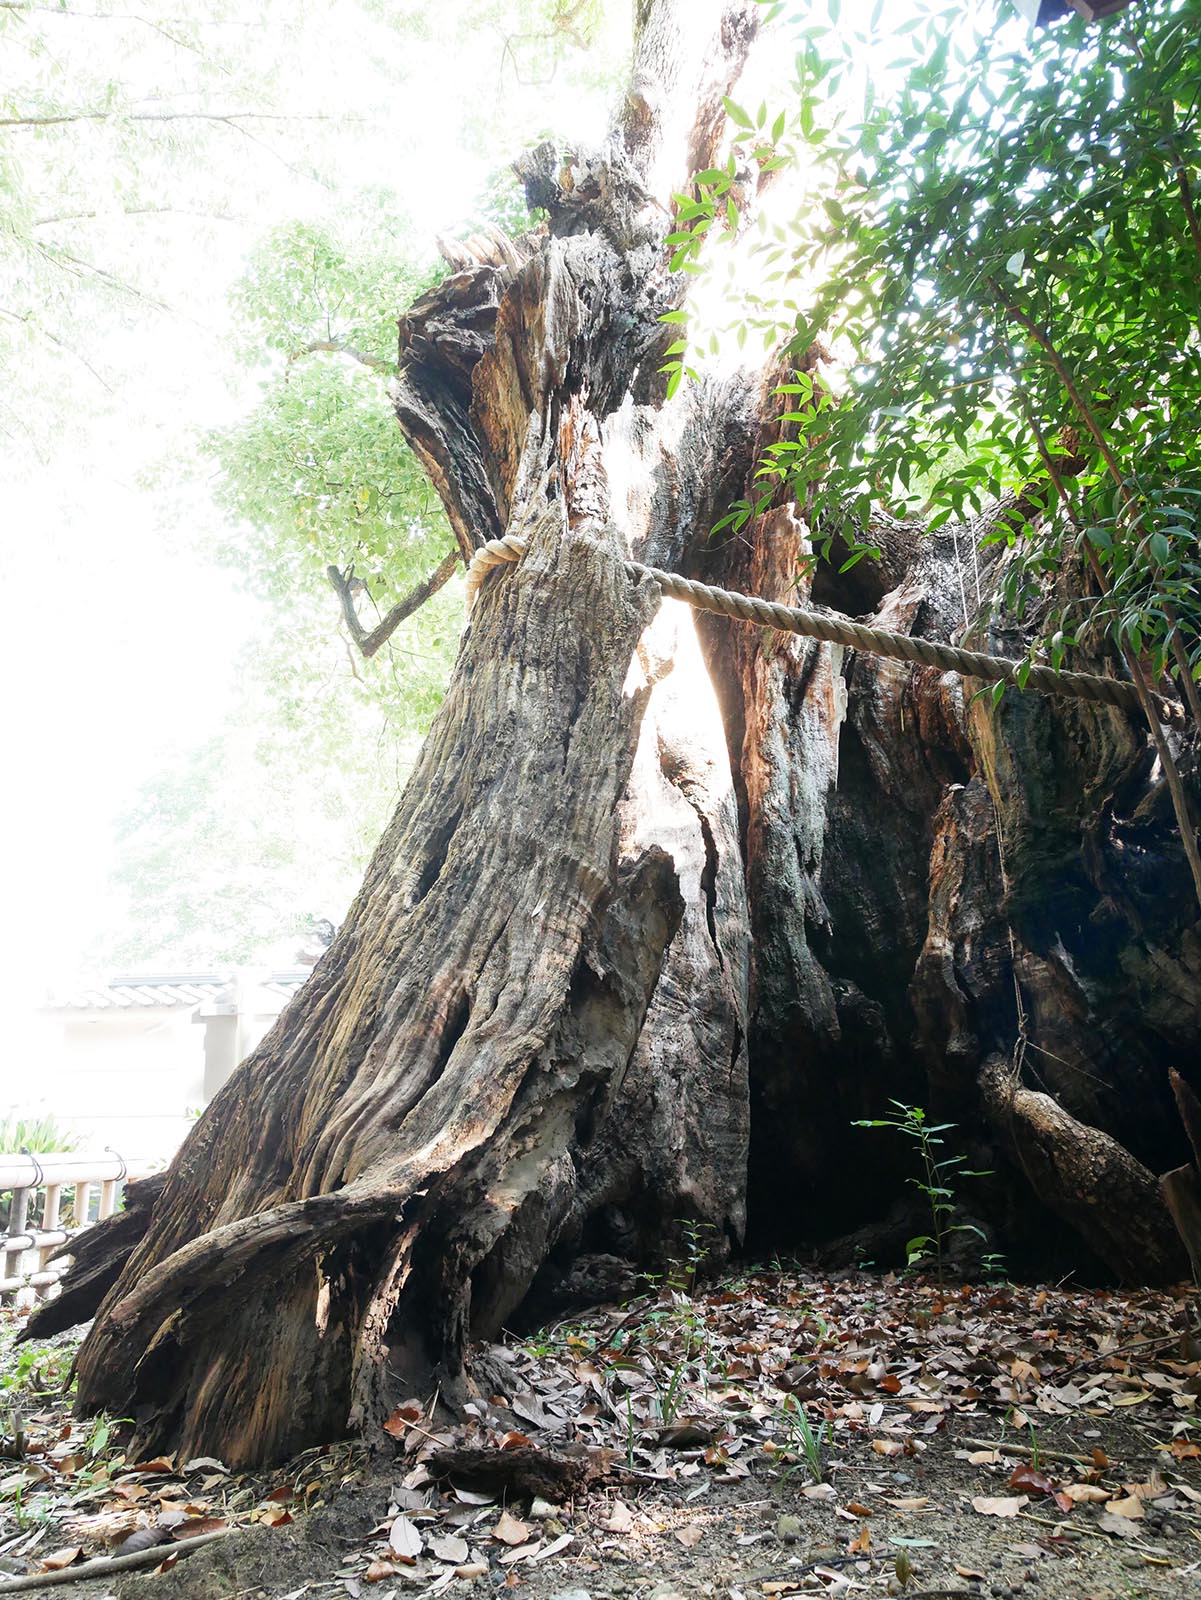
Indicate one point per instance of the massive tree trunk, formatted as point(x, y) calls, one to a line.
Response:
point(659, 893)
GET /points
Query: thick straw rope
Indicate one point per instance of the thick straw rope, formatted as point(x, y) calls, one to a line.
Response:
point(835, 628)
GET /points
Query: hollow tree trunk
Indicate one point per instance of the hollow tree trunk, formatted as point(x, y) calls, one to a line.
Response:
point(659, 891)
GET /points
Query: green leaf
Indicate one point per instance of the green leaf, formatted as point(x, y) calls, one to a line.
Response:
point(736, 114)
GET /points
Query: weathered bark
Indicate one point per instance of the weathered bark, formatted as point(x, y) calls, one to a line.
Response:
point(1181, 1190)
point(658, 887)
point(1085, 1177)
point(465, 1090)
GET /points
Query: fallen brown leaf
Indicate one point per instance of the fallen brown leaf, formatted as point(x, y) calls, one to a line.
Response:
point(1131, 1507)
point(1122, 1527)
point(511, 1530)
point(1081, 1493)
point(405, 1539)
point(525, 1552)
point(555, 1547)
point(58, 1559)
point(621, 1518)
point(1031, 1480)
point(999, 1505)
point(402, 1418)
point(449, 1547)
point(193, 1527)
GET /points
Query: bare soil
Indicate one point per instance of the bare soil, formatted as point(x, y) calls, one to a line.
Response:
point(775, 1434)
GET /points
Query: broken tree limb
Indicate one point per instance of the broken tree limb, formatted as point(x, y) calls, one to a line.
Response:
point(1086, 1177)
point(104, 1566)
point(1190, 1112)
point(337, 348)
point(1181, 1190)
point(370, 642)
point(97, 1258)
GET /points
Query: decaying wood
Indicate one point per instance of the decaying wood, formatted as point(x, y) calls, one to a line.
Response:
point(1181, 1190)
point(97, 1258)
point(663, 894)
point(466, 1085)
point(1088, 1178)
point(1189, 1107)
point(555, 1475)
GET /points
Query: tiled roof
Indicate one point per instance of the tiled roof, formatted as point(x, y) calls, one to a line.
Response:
point(140, 991)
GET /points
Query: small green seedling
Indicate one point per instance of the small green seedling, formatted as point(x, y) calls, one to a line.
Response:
point(939, 1174)
point(806, 1447)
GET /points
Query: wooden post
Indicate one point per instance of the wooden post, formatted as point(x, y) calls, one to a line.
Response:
point(16, 1229)
point(50, 1212)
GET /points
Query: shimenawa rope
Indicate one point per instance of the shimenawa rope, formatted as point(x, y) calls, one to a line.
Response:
point(835, 628)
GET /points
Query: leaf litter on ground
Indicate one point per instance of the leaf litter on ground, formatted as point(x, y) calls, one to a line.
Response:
point(795, 1381)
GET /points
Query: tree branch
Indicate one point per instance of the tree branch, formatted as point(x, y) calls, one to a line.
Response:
point(27, 318)
point(232, 118)
point(1084, 410)
point(337, 348)
point(1184, 820)
point(369, 643)
point(133, 211)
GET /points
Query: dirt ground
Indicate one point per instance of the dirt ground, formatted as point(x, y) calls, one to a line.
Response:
point(771, 1435)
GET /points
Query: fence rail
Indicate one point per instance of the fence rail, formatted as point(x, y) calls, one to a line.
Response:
point(33, 1233)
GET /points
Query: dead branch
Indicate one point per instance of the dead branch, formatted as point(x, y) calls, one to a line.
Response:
point(369, 643)
point(1190, 1112)
point(103, 1566)
point(338, 348)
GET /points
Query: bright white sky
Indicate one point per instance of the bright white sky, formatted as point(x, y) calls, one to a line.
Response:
point(118, 643)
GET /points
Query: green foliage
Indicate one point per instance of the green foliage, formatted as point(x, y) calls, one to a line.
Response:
point(34, 1370)
point(1004, 255)
point(38, 1135)
point(682, 1275)
point(246, 838)
point(939, 1174)
point(318, 473)
point(803, 1446)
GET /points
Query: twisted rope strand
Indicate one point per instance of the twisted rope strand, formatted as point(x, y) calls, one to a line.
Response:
point(835, 628)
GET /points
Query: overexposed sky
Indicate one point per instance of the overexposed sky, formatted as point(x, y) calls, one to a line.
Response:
point(118, 639)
